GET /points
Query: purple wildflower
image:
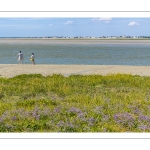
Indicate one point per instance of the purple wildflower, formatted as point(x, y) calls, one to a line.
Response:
point(57, 110)
point(35, 113)
point(36, 116)
point(70, 125)
point(130, 124)
point(74, 110)
point(5, 115)
point(144, 118)
point(45, 112)
point(22, 113)
point(81, 116)
point(143, 127)
point(14, 118)
point(125, 119)
point(25, 114)
point(61, 123)
point(136, 111)
point(91, 121)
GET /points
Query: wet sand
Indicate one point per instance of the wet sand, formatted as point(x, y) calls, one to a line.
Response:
point(10, 70)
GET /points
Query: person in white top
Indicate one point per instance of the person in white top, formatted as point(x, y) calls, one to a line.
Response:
point(20, 58)
point(32, 59)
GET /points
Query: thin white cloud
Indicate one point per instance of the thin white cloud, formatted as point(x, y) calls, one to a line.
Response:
point(69, 22)
point(133, 24)
point(50, 25)
point(104, 19)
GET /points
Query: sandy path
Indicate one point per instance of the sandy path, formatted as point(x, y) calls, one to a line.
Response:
point(66, 70)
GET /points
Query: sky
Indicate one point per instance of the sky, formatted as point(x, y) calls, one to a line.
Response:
point(43, 27)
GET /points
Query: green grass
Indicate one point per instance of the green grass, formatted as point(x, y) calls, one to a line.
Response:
point(78, 103)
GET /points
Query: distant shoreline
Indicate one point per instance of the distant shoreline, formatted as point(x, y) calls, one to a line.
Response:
point(42, 38)
point(72, 41)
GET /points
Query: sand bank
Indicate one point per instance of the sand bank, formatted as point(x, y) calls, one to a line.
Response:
point(72, 41)
point(10, 70)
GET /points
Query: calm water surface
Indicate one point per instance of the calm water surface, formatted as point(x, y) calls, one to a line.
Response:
point(87, 54)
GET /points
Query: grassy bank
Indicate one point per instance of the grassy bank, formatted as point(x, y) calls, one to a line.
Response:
point(94, 103)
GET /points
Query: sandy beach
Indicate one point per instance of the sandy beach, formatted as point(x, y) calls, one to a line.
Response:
point(11, 70)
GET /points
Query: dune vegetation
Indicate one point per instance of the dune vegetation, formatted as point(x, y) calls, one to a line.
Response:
point(77, 103)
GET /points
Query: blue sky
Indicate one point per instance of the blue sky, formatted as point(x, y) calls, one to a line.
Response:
point(40, 27)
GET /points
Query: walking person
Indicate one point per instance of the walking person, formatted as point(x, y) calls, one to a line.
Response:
point(20, 58)
point(32, 59)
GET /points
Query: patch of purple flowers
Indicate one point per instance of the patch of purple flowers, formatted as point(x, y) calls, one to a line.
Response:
point(70, 125)
point(143, 127)
point(144, 118)
point(136, 111)
point(9, 127)
point(22, 113)
point(57, 110)
point(74, 110)
point(45, 112)
point(126, 119)
point(61, 124)
point(14, 118)
point(4, 116)
point(81, 116)
point(91, 121)
point(35, 113)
